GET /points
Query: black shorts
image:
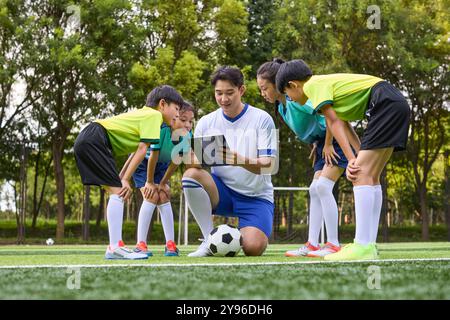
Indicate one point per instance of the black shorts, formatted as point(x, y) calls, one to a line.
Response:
point(388, 115)
point(94, 157)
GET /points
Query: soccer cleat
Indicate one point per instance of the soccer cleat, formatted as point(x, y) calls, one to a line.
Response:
point(141, 247)
point(171, 249)
point(354, 251)
point(377, 255)
point(123, 253)
point(302, 251)
point(202, 251)
point(329, 248)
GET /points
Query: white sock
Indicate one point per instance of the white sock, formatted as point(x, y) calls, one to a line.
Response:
point(315, 214)
point(376, 213)
point(198, 201)
point(166, 212)
point(145, 218)
point(324, 187)
point(114, 214)
point(364, 204)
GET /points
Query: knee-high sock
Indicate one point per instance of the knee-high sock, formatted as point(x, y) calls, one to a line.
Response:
point(166, 212)
point(315, 214)
point(324, 187)
point(145, 218)
point(198, 201)
point(364, 205)
point(114, 214)
point(376, 213)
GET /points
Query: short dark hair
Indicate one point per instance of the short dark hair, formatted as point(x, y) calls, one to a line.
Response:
point(227, 73)
point(268, 70)
point(187, 106)
point(295, 70)
point(168, 93)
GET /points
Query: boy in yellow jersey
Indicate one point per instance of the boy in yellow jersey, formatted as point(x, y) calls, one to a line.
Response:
point(349, 97)
point(134, 131)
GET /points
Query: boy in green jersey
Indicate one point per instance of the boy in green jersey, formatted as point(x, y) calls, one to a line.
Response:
point(348, 97)
point(133, 131)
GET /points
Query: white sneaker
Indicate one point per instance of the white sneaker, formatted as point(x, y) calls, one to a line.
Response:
point(202, 251)
point(302, 251)
point(123, 253)
point(329, 248)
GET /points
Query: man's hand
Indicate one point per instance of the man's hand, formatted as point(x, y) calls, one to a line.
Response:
point(352, 170)
point(330, 155)
point(150, 189)
point(232, 158)
point(312, 155)
point(126, 190)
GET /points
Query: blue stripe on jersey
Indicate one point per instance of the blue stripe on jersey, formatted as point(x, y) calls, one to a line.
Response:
point(238, 116)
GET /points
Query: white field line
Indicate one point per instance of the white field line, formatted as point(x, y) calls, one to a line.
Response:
point(156, 265)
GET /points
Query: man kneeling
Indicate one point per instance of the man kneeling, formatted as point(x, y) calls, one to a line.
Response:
point(244, 188)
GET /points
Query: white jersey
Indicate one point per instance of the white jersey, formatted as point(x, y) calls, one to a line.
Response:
point(251, 134)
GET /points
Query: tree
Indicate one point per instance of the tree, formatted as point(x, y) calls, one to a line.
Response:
point(84, 71)
point(231, 21)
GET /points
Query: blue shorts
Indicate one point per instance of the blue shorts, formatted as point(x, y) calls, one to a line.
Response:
point(251, 211)
point(140, 175)
point(320, 162)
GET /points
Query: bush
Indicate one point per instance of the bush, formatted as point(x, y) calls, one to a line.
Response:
point(99, 235)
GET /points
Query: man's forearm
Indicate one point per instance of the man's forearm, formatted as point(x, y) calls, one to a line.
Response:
point(256, 165)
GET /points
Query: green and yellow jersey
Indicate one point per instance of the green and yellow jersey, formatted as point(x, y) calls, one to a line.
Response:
point(127, 130)
point(347, 93)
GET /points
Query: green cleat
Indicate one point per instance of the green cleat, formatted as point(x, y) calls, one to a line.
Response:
point(354, 251)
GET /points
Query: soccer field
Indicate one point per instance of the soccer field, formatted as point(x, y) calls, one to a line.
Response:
point(404, 271)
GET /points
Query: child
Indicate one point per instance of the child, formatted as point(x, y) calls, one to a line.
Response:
point(153, 172)
point(121, 135)
point(349, 97)
point(329, 161)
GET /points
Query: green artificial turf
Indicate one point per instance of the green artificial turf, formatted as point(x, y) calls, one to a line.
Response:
point(223, 278)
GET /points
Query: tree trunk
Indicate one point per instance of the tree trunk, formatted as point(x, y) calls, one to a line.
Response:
point(36, 176)
point(22, 197)
point(101, 207)
point(424, 212)
point(290, 213)
point(86, 212)
point(447, 192)
point(58, 151)
point(276, 222)
point(41, 197)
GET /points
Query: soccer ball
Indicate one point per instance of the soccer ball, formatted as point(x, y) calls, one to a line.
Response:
point(50, 241)
point(225, 241)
